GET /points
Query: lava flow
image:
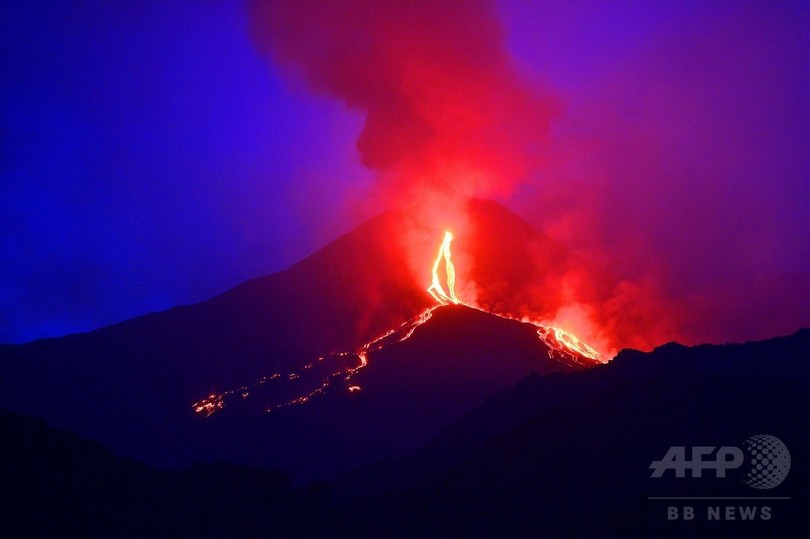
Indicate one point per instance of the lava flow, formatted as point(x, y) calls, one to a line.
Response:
point(435, 289)
point(343, 376)
point(562, 345)
point(566, 345)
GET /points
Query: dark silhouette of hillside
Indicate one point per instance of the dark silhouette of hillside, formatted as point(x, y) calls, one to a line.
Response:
point(56, 484)
point(410, 391)
point(568, 455)
point(557, 455)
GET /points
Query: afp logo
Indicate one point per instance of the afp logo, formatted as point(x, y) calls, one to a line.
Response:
point(768, 461)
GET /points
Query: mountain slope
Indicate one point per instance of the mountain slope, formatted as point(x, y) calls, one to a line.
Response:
point(58, 484)
point(570, 454)
point(410, 390)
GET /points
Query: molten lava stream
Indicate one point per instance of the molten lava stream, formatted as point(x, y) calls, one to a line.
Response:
point(341, 377)
point(435, 289)
point(565, 344)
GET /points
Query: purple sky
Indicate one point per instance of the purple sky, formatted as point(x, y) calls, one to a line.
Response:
point(150, 157)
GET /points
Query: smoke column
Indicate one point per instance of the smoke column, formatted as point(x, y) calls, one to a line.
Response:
point(444, 109)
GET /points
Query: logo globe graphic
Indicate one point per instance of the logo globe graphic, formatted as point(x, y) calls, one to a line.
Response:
point(770, 461)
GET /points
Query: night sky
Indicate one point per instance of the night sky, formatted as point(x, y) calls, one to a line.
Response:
point(152, 155)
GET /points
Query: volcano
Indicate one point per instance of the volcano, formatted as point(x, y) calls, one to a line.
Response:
point(300, 337)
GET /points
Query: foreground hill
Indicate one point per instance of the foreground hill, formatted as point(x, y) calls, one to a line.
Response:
point(56, 484)
point(569, 455)
point(557, 455)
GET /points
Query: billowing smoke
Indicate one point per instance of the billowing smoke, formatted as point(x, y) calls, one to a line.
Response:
point(670, 180)
point(444, 109)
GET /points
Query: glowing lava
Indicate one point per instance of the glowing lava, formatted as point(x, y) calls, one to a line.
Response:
point(341, 377)
point(567, 346)
point(435, 289)
point(561, 339)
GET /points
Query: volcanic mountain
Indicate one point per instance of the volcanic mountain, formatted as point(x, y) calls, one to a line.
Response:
point(278, 359)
